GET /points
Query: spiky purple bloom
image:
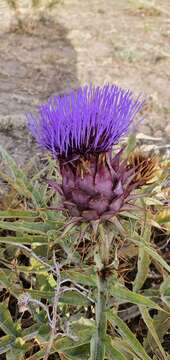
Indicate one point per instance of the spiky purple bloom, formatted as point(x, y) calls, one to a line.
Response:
point(79, 129)
point(88, 120)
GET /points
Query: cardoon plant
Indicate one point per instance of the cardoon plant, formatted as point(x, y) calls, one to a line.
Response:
point(80, 130)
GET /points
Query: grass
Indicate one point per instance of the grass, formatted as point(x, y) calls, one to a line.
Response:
point(45, 257)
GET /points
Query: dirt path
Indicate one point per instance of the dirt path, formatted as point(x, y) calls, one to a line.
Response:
point(76, 42)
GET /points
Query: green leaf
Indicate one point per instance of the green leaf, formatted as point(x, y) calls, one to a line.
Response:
point(18, 350)
point(122, 345)
point(161, 322)
point(127, 334)
point(73, 297)
point(130, 144)
point(165, 290)
point(120, 292)
point(81, 352)
point(6, 343)
point(143, 268)
point(6, 322)
point(83, 325)
point(66, 345)
point(20, 181)
point(5, 278)
point(143, 260)
point(25, 239)
point(152, 253)
point(112, 351)
point(19, 214)
point(83, 276)
point(129, 215)
point(22, 226)
point(163, 219)
point(31, 332)
point(15, 354)
point(149, 322)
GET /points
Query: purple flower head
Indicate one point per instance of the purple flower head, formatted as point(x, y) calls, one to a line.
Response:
point(85, 121)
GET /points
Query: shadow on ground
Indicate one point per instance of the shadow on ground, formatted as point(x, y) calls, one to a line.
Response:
point(35, 62)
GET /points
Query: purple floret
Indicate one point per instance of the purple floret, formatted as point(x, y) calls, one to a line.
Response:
point(88, 120)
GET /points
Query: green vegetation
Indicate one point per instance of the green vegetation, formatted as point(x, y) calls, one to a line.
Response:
point(48, 273)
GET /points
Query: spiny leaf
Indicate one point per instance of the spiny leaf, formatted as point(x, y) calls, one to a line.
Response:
point(165, 290)
point(74, 298)
point(6, 214)
point(29, 227)
point(149, 322)
point(123, 293)
point(152, 253)
point(143, 267)
point(81, 277)
point(161, 322)
point(25, 239)
point(143, 260)
point(80, 352)
point(126, 333)
point(112, 351)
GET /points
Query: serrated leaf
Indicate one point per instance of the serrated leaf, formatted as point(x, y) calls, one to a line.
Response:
point(127, 334)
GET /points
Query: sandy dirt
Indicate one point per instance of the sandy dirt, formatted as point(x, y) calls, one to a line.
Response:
point(75, 42)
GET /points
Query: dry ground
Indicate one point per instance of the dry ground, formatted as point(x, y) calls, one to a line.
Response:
point(81, 41)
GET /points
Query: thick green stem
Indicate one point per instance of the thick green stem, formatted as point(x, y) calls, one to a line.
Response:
point(98, 346)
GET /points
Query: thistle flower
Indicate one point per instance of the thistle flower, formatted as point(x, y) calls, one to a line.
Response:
point(79, 129)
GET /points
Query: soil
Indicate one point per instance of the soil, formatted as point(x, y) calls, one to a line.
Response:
point(50, 49)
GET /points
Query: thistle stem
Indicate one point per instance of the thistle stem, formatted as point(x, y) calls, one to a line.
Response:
point(98, 346)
